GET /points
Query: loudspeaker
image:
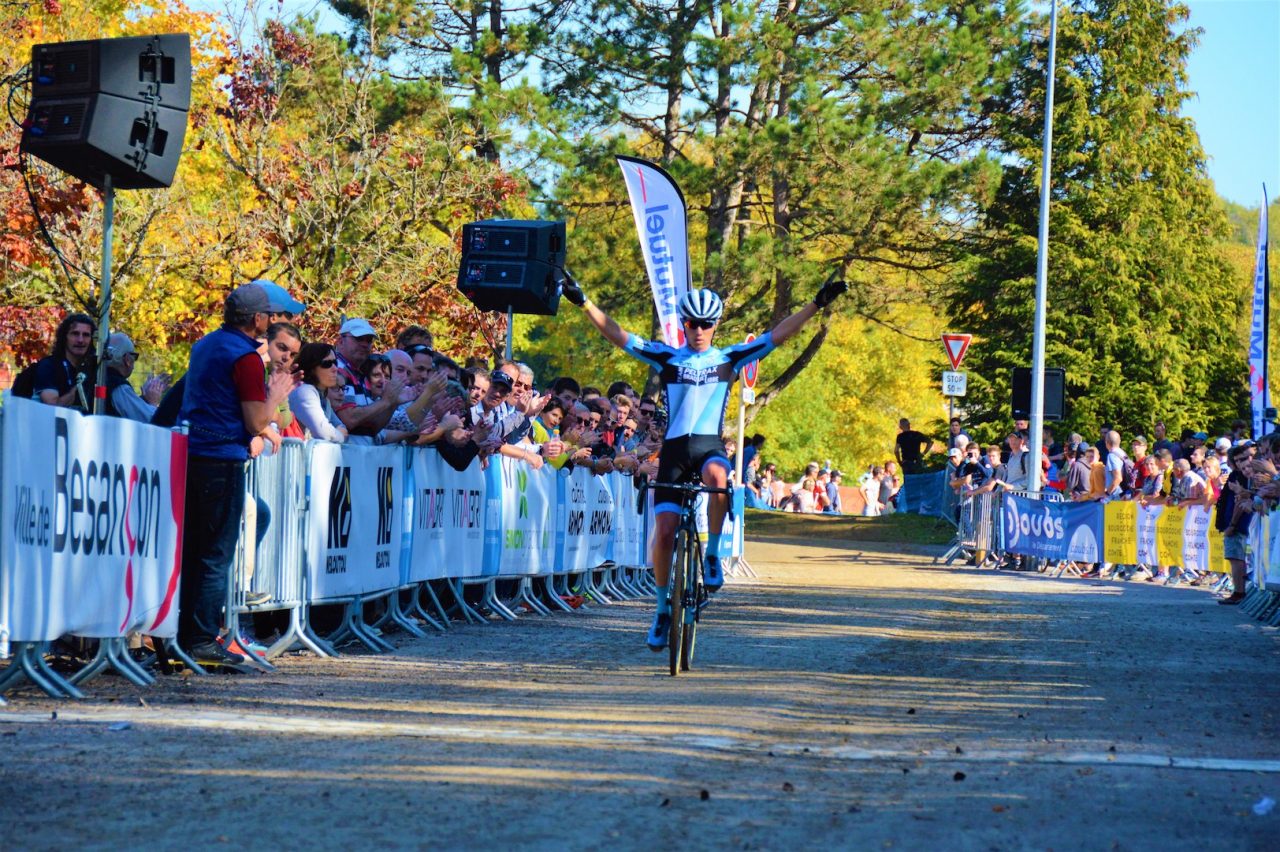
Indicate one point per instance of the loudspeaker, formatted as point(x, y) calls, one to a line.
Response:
point(510, 263)
point(1055, 382)
point(113, 107)
point(525, 286)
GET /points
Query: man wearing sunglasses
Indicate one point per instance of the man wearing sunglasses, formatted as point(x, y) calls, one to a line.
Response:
point(696, 378)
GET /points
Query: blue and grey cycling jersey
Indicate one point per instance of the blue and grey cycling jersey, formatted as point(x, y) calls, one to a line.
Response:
point(697, 384)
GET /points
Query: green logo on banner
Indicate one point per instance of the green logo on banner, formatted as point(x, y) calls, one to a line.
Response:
point(522, 483)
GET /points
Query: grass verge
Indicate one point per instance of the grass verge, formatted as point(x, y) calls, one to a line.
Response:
point(904, 528)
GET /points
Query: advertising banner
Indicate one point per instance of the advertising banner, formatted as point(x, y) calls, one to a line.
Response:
point(448, 519)
point(522, 540)
point(662, 223)
point(356, 516)
point(628, 526)
point(92, 514)
point(1259, 387)
point(1051, 530)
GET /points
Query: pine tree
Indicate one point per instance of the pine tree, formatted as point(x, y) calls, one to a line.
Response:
point(1142, 305)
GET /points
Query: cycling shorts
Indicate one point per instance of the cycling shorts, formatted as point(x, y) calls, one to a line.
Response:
point(680, 459)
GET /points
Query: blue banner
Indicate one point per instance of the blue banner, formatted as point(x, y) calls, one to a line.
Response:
point(1052, 530)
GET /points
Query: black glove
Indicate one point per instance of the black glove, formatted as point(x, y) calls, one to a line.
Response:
point(571, 289)
point(832, 288)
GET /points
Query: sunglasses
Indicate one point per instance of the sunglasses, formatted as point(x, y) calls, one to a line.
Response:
point(699, 324)
point(328, 362)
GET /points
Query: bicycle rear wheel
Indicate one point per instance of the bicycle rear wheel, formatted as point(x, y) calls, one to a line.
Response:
point(675, 643)
point(693, 585)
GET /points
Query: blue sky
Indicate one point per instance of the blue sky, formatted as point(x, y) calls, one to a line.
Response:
point(1236, 74)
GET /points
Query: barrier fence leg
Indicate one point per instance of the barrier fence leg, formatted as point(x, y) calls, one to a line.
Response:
point(112, 653)
point(553, 593)
point(529, 599)
point(308, 637)
point(468, 614)
point(435, 602)
point(415, 607)
point(1253, 600)
point(401, 617)
point(490, 599)
point(28, 663)
point(353, 624)
point(173, 649)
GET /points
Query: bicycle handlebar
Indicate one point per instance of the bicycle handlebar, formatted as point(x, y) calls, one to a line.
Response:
point(687, 487)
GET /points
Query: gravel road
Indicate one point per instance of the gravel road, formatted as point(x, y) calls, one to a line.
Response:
point(854, 696)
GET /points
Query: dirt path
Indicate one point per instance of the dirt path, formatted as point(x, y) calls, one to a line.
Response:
point(852, 697)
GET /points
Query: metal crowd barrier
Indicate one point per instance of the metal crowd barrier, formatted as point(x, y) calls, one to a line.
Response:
point(269, 573)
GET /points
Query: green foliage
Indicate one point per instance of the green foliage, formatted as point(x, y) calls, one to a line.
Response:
point(1142, 301)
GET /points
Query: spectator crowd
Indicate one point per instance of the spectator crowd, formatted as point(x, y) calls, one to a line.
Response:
point(257, 380)
point(1232, 476)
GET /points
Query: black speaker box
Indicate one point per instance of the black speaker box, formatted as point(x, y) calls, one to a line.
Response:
point(525, 286)
point(113, 107)
point(1055, 381)
point(510, 263)
point(512, 239)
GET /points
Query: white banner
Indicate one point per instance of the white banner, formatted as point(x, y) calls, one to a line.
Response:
point(1195, 539)
point(526, 536)
point(628, 524)
point(92, 524)
point(662, 223)
point(600, 522)
point(1148, 549)
point(1259, 389)
point(356, 514)
point(448, 519)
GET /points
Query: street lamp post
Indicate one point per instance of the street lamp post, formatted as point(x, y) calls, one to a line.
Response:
point(1042, 266)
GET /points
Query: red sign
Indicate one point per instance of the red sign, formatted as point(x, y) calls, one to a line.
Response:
point(956, 345)
point(750, 370)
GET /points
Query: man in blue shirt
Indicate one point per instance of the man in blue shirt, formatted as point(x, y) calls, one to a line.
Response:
point(225, 403)
point(696, 378)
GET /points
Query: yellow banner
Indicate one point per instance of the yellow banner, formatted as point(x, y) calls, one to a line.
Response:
point(1169, 536)
point(1120, 532)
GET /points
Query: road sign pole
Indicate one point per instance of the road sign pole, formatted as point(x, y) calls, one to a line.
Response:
point(742, 428)
point(746, 396)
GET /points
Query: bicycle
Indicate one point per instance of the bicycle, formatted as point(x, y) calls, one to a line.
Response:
point(688, 595)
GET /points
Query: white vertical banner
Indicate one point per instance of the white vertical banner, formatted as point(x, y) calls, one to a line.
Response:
point(527, 533)
point(577, 514)
point(92, 524)
point(662, 223)
point(628, 528)
point(1195, 539)
point(1148, 518)
point(448, 519)
point(600, 528)
point(353, 527)
point(1259, 386)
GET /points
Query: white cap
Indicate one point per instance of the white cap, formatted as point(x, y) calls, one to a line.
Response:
point(954, 451)
point(357, 327)
point(1223, 444)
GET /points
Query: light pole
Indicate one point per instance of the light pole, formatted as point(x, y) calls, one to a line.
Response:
point(1042, 266)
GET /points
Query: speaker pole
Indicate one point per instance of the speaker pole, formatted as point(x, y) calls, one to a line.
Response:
point(104, 299)
point(511, 318)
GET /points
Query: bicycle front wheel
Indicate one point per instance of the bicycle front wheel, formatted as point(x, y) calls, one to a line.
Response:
point(693, 587)
point(675, 643)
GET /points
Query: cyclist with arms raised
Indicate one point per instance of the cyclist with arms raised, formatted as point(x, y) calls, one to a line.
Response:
point(696, 379)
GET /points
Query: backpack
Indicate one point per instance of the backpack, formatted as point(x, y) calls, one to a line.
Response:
point(1129, 475)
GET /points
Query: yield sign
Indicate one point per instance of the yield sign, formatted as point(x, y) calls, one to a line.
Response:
point(750, 370)
point(956, 345)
